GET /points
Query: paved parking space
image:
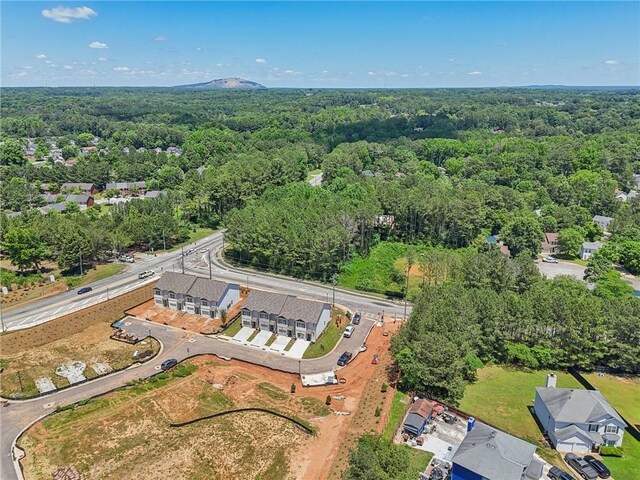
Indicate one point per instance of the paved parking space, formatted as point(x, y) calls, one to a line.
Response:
point(441, 450)
point(243, 334)
point(280, 343)
point(261, 338)
point(298, 348)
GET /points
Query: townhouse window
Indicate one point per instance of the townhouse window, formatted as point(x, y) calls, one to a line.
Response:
point(205, 303)
point(246, 312)
point(172, 295)
point(300, 324)
point(157, 292)
point(190, 299)
point(593, 427)
point(282, 321)
point(263, 315)
point(611, 429)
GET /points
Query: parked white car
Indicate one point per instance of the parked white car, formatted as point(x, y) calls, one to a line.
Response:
point(348, 331)
point(550, 259)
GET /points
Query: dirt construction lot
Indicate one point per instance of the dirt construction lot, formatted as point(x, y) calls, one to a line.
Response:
point(141, 443)
point(92, 346)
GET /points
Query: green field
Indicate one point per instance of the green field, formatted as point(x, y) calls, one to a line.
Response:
point(234, 328)
point(396, 414)
point(502, 396)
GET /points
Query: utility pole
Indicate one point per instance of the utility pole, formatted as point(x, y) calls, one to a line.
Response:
point(1, 317)
point(20, 381)
point(333, 283)
point(80, 263)
point(182, 259)
point(406, 290)
point(247, 282)
point(209, 255)
point(164, 241)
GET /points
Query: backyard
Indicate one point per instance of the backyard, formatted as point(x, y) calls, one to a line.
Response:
point(502, 396)
point(92, 346)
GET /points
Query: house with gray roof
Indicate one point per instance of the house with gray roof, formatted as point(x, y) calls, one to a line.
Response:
point(195, 295)
point(602, 221)
point(154, 194)
point(490, 454)
point(587, 249)
point(285, 315)
point(127, 188)
point(85, 188)
point(577, 420)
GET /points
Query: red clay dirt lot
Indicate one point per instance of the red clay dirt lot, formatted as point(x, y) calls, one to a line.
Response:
point(323, 456)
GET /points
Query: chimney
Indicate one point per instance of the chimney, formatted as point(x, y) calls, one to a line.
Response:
point(552, 380)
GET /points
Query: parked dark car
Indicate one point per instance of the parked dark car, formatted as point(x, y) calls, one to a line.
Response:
point(84, 290)
point(581, 466)
point(167, 364)
point(356, 318)
point(344, 358)
point(556, 474)
point(600, 468)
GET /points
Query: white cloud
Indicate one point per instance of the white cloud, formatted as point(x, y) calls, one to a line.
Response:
point(68, 14)
point(98, 45)
point(611, 62)
point(371, 73)
point(198, 49)
point(404, 75)
point(289, 71)
point(42, 56)
point(28, 67)
point(68, 67)
point(475, 72)
point(219, 64)
point(121, 69)
point(48, 62)
point(261, 60)
point(160, 38)
point(102, 59)
point(19, 74)
point(324, 72)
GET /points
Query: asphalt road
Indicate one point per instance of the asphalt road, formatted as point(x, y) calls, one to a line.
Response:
point(552, 270)
point(55, 306)
point(179, 344)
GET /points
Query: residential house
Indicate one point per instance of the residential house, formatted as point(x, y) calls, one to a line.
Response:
point(126, 150)
point(85, 188)
point(127, 188)
point(141, 150)
point(420, 413)
point(577, 420)
point(624, 197)
point(195, 295)
point(154, 194)
point(53, 207)
point(587, 249)
point(176, 151)
point(286, 315)
point(550, 243)
point(490, 454)
point(157, 150)
point(82, 200)
point(87, 150)
point(602, 221)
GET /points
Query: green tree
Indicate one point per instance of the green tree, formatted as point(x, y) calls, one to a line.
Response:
point(376, 458)
point(523, 233)
point(24, 247)
point(12, 153)
point(610, 285)
point(569, 241)
point(73, 245)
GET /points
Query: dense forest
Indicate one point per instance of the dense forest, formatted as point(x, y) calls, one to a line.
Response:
point(410, 178)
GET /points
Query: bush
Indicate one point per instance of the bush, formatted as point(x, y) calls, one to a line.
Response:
point(384, 387)
point(293, 388)
point(611, 451)
point(328, 400)
point(378, 412)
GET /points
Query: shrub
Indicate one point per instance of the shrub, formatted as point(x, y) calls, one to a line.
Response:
point(328, 400)
point(384, 387)
point(293, 388)
point(611, 451)
point(378, 411)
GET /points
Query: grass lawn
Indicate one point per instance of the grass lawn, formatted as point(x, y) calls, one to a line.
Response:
point(101, 272)
point(398, 407)
point(627, 467)
point(234, 328)
point(328, 339)
point(502, 396)
point(253, 335)
point(419, 460)
point(272, 339)
point(290, 344)
point(312, 173)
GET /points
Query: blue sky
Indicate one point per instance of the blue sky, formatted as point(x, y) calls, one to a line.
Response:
point(321, 44)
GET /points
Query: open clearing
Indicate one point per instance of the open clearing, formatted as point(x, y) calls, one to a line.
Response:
point(91, 346)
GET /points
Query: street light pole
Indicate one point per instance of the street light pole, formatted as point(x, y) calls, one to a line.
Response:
point(209, 255)
point(80, 263)
point(164, 241)
point(333, 283)
point(183, 260)
point(1, 317)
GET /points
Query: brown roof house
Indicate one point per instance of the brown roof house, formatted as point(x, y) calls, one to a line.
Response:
point(550, 243)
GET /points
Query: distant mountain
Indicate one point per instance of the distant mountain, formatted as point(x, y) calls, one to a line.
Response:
point(233, 83)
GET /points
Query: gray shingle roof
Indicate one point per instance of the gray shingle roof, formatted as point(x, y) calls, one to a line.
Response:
point(288, 306)
point(124, 185)
point(197, 287)
point(602, 218)
point(592, 245)
point(154, 193)
point(82, 199)
point(493, 454)
point(569, 405)
point(81, 186)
